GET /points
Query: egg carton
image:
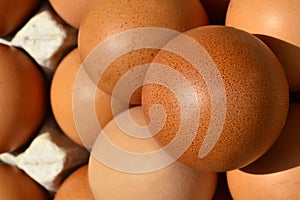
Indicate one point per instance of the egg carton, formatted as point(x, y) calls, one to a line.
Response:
point(51, 155)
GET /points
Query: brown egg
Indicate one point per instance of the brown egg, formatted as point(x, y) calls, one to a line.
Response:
point(62, 88)
point(76, 186)
point(23, 99)
point(276, 174)
point(61, 94)
point(279, 185)
point(16, 185)
point(71, 11)
point(14, 13)
point(104, 19)
point(172, 182)
point(278, 27)
point(224, 94)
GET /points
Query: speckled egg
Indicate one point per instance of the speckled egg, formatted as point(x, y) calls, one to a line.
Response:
point(221, 97)
point(278, 27)
point(104, 19)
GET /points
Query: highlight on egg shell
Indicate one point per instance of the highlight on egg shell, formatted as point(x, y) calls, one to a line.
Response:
point(278, 27)
point(23, 98)
point(224, 98)
point(61, 95)
point(174, 182)
point(71, 11)
point(106, 18)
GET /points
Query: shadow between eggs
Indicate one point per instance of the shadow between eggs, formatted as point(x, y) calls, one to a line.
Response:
point(285, 153)
point(289, 56)
point(295, 96)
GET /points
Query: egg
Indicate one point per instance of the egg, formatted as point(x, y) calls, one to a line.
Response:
point(276, 174)
point(23, 99)
point(278, 27)
point(14, 13)
point(16, 185)
point(107, 18)
point(76, 186)
point(279, 185)
point(61, 94)
point(62, 100)
point(222, 94)
point(172, 182)
point(71, 11)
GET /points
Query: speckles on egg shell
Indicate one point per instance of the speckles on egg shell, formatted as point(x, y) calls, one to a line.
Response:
point(115, 16)
point(256, 92)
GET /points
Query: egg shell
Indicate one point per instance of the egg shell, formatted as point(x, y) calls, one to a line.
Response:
point(277, 19)
point(14, 13)
point(256, 102)
point(23, 99)
point(279, 185)
point(173, 182)
point(76, 186)
point(278, 27)
point(61, 95)
point(16, 185)
point(71, 11)
point(106, 18)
